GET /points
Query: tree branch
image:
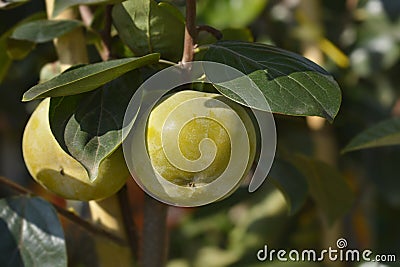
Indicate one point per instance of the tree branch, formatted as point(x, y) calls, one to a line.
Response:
point(155, 246)
point(213, 31)
point(104, 48)
point(190, 31)
point(106, 33)
point(67, 214)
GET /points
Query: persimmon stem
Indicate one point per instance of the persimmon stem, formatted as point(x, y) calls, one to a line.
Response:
point(190, 31)
point(86, 225)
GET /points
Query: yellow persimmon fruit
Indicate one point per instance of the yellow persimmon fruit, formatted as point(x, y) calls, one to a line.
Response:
point(60, 173)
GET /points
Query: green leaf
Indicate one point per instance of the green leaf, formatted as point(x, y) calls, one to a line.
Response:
point(148, 27)
point(230, 13)
point(5, 58)
point(41, 31)
point(87, 78)
point(385, 133)
point(89, 126)
point(292, 84)
point(61, 5)
point(19, 49)
point(326, 185)
point(291, 183)
point(31, 233)
point(381, 169)
point(8, 4)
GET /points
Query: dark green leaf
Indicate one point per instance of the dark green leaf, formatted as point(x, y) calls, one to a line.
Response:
point(60, 5)
point(292, 84)
point(148, 27)
point(326, 185)
point(87, 78)
point(386, 133)
point(89, 126)
point(37, 236)
point(120, 49)
point(291, 183)
point(382, 170)
point(8, 4)
point(19, 49)
point(5, 60)
point(4, 55)
point(41, 31)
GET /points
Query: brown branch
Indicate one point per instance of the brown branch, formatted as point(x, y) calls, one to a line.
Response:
point(106, 32)
point(213, 31)
point(155, 244)
point(104, 48)
point(67, 214)
point(190, 31)
point(86, 15)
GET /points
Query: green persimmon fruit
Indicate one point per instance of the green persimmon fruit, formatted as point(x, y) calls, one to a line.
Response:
point(202, 138)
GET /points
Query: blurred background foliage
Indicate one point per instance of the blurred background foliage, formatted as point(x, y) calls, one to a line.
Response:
point(358, 42)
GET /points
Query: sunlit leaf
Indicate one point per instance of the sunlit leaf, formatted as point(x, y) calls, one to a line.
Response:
point(87, 78)
point(148, 27)
point(89, 126)
point(291, 84)
point(31, 234)
point(386, 133)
